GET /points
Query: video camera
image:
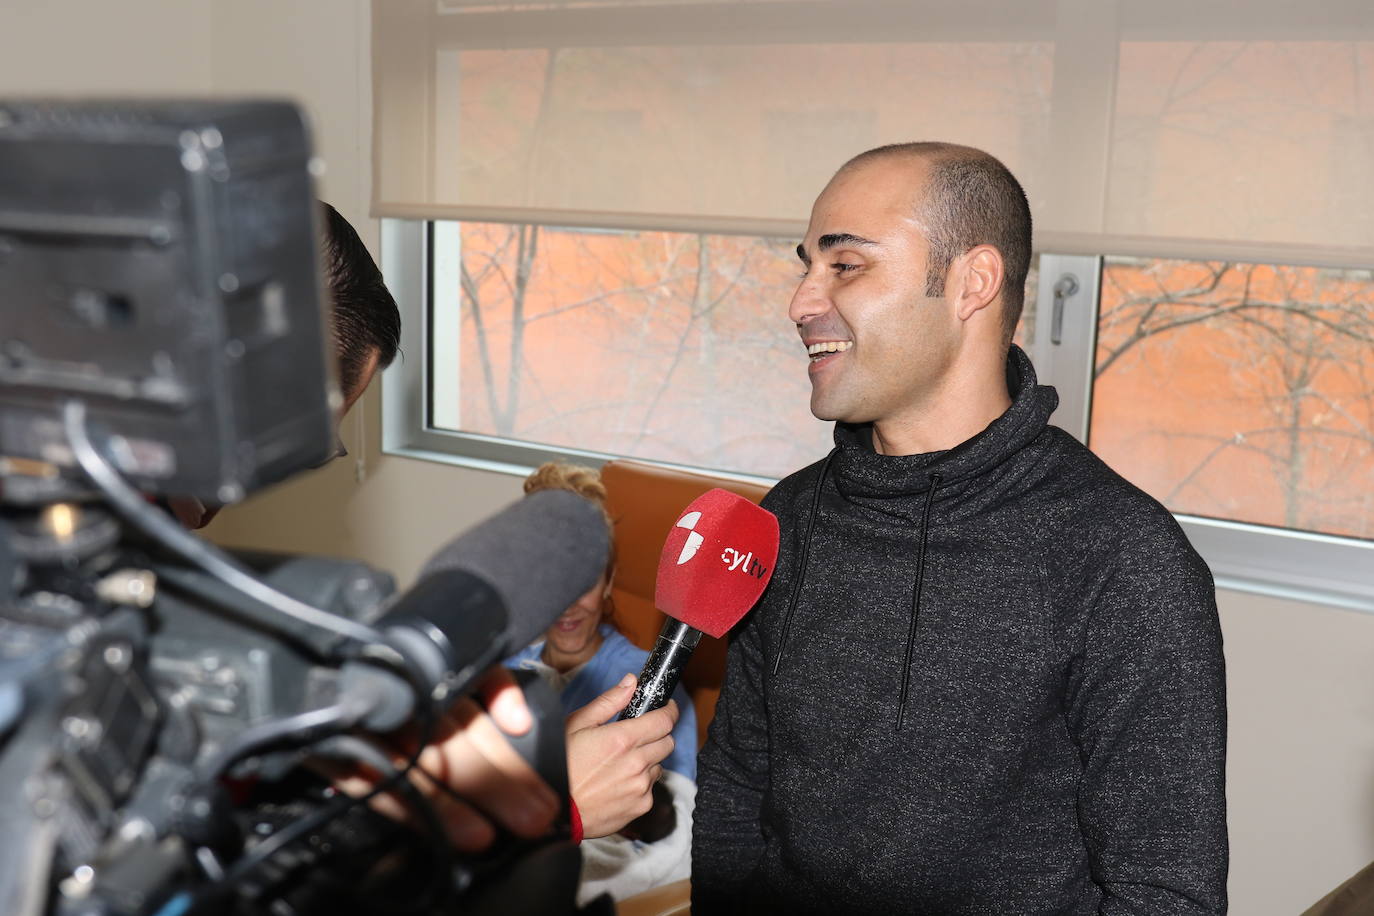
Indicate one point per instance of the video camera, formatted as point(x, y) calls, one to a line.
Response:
point(162, 334)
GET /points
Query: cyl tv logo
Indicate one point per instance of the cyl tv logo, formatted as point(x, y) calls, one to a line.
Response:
point(744, 561)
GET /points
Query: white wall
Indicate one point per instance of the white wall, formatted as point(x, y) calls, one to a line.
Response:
point(1300, 775)
point(48, 47)
point(1301, 678)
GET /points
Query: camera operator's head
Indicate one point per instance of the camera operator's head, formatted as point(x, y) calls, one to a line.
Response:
point(366, 323)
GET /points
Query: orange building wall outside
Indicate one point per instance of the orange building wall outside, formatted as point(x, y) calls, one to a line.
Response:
point(1265, 415)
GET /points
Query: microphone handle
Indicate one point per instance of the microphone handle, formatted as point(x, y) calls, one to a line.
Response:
point(663, 670)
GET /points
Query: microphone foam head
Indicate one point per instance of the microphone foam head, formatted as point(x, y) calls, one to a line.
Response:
point(540, 554)
point(716, 561)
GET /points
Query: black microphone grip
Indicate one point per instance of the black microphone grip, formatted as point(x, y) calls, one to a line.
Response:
point(663, 670)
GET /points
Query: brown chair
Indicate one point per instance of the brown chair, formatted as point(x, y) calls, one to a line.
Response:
point(645, 501)
point(1355, 897)
point(669, 900)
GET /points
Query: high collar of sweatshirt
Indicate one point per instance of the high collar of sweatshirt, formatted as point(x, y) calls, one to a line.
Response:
point(864, 476)
point(907, 486)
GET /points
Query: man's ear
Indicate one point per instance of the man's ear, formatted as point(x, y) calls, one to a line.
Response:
point(977, 277)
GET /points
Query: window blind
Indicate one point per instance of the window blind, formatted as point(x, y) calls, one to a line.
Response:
point(1206, 128)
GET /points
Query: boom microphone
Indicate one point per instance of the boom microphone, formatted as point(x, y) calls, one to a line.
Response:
point(715, 564)
point(480, 597)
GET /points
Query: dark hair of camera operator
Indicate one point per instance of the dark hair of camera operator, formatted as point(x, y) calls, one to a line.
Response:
point(367, 330)
point(367, 324)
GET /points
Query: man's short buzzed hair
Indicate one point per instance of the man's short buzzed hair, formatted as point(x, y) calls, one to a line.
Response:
point(971, 199)
point(365, 314)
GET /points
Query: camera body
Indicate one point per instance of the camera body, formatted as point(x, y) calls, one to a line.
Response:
point(122, 686)
point(159, 262)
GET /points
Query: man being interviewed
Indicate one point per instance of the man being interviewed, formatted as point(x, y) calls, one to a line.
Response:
point(987, 674)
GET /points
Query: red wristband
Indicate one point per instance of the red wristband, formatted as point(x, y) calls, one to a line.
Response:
point(576, 817)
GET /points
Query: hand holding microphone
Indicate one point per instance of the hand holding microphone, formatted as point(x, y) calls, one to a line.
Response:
point(612, 766)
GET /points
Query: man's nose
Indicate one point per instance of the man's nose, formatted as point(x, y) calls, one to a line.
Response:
point(810, 299)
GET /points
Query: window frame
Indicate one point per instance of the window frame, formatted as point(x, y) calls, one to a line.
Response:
point(1244, 557)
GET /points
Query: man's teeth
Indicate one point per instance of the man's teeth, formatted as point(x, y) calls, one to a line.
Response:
point(829, 346)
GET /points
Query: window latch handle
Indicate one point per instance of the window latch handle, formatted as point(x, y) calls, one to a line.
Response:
point(1064, 287)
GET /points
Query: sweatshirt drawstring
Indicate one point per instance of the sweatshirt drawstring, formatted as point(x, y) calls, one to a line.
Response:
point(916, 599)
point(805, 549)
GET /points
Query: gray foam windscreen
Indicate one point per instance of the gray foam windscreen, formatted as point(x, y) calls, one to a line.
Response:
point(540, 554)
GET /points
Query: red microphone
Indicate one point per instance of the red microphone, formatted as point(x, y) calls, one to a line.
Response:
point(715, 564)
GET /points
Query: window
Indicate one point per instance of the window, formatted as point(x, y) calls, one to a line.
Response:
point(1239, 394)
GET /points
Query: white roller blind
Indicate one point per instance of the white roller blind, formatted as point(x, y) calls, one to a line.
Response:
point(1204, 128)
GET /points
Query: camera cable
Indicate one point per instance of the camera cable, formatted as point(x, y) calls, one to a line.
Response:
point(161, 527)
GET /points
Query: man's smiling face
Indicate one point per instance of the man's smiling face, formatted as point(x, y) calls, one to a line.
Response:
point(879, 346)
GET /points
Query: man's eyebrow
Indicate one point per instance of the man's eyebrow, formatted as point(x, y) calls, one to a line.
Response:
point(826, 242)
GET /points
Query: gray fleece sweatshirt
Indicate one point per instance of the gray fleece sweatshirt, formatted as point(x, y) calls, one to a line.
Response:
point(982, 681)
